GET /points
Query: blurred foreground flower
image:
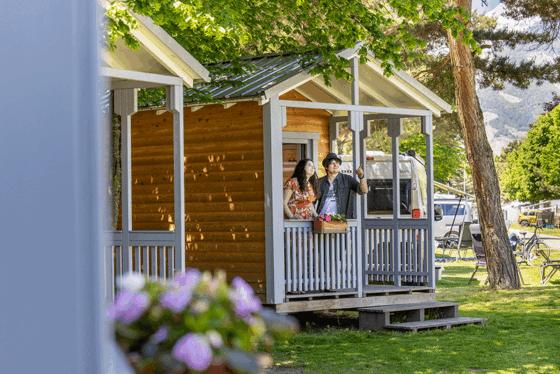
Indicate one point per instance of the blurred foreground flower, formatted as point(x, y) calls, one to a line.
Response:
point(196, 323)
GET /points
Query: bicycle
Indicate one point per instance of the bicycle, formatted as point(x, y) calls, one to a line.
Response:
point(530, 248)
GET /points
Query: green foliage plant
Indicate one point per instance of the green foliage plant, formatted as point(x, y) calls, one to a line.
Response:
point(533, 169)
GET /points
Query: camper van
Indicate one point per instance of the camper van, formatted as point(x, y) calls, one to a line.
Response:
point(456, 211)
point(413, 183)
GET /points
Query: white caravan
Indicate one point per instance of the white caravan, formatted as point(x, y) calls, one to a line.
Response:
point(455, 211)
point(413, 184)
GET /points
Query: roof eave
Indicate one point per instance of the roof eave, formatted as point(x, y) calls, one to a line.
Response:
point(168, 52)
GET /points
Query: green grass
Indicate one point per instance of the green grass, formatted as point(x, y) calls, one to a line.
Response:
point(553, 232)
point(522, 335)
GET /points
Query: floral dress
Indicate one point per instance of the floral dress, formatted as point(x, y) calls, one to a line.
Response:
point(300, 203)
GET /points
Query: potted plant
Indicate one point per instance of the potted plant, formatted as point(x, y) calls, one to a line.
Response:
point(196, 323)
point(330, 223)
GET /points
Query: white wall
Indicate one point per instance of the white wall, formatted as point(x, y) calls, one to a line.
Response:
point(51, 316)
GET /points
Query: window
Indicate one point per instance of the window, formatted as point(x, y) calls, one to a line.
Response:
point(380, 196)
point(297, 145)
point(450, 209)
point(291, 155)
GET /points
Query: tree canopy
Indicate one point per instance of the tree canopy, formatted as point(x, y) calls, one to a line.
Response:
point(533, 169)
point(227, 30)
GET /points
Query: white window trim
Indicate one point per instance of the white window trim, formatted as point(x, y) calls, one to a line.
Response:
point(310, 139)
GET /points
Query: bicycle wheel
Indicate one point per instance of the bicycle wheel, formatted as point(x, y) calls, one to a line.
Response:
point(533, 255)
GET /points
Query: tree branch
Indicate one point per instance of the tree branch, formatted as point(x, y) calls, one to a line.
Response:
point(434, 69)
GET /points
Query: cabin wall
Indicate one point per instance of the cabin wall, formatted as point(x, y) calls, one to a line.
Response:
point(224, 186)
point(224, 189)
point(309, 120)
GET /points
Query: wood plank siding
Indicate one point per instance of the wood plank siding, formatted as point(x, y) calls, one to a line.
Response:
point(224, 189)
point(309, 120)
point(224, 186)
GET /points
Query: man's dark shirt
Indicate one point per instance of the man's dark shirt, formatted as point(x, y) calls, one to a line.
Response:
point(345, 186)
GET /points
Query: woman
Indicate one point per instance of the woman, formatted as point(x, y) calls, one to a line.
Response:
point(301, 191)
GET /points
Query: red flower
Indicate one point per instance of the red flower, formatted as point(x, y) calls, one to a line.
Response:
point(328, 218)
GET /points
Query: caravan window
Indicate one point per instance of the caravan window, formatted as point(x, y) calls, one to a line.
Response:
point(380, 196)
point(450, 209)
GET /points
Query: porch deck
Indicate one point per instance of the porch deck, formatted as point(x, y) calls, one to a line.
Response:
point(373, 295)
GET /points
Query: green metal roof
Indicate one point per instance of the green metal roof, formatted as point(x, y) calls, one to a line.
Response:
point(262, 72)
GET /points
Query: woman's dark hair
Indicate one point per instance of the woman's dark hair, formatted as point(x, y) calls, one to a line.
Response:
point(301, 176)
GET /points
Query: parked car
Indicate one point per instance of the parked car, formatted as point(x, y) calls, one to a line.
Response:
point(527, 218)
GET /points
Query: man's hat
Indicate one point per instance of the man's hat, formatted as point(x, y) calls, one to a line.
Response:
point(331, 156)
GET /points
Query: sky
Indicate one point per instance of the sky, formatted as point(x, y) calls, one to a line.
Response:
point(477, 4)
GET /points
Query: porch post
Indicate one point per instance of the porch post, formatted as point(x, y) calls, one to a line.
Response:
point(395, 130)
point(174, 103)
point(333, 135)
point(427, 130)
point(274, 118)
point(355, 123)
point(126, 104)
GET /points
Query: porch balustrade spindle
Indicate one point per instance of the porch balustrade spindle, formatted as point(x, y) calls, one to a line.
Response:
point(119, 261)
point(288, 260)
point(162, 260)
point(338, 263)
point(300, 259)
point(154, 262)
point(305, 259)
point(137, 259)
point(294, 260)
point(316, 271)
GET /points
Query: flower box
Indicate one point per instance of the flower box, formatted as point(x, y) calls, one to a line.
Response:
point(332, 227)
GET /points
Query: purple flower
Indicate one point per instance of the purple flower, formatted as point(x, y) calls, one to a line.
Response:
point(181, 291)
point(160, 335)
point(129, 306)
point(138, 305)
point(177, 300)
point(188, 278)
point(111, 313)
point(244, 298)
point(193, 350)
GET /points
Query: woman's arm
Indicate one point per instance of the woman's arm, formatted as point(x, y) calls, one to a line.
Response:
point(287, 194)
point(313, 211)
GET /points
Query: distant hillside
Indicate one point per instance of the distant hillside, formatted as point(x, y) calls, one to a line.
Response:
point(508, 113)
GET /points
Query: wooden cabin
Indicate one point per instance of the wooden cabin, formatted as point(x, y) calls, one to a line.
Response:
point(238, 153)
point(159, 62)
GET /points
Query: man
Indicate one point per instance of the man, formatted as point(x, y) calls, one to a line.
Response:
point(337, 189)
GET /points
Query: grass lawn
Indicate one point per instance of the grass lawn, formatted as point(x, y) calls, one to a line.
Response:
point(522, 335)
point(553, 232)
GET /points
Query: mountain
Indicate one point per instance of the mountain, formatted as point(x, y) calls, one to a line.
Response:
point(509, 112)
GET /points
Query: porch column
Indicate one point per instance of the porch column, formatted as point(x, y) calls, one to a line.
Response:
point(126, 104)
point(174, 104)
point(333, 136)
point(274, 118)
point(395, 129)
point(355, 124)
point(427, 130)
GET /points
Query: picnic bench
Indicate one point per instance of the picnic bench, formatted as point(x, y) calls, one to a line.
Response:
point(552, 264)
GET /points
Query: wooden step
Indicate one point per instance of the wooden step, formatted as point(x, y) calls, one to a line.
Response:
point(404, 307)
point(446, 323)
point(377, 318)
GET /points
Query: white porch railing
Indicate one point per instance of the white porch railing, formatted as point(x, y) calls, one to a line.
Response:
point(413, 261)
point(151, 253)
point(315, 262)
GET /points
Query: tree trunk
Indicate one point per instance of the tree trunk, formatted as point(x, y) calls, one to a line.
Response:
point(502, 267)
